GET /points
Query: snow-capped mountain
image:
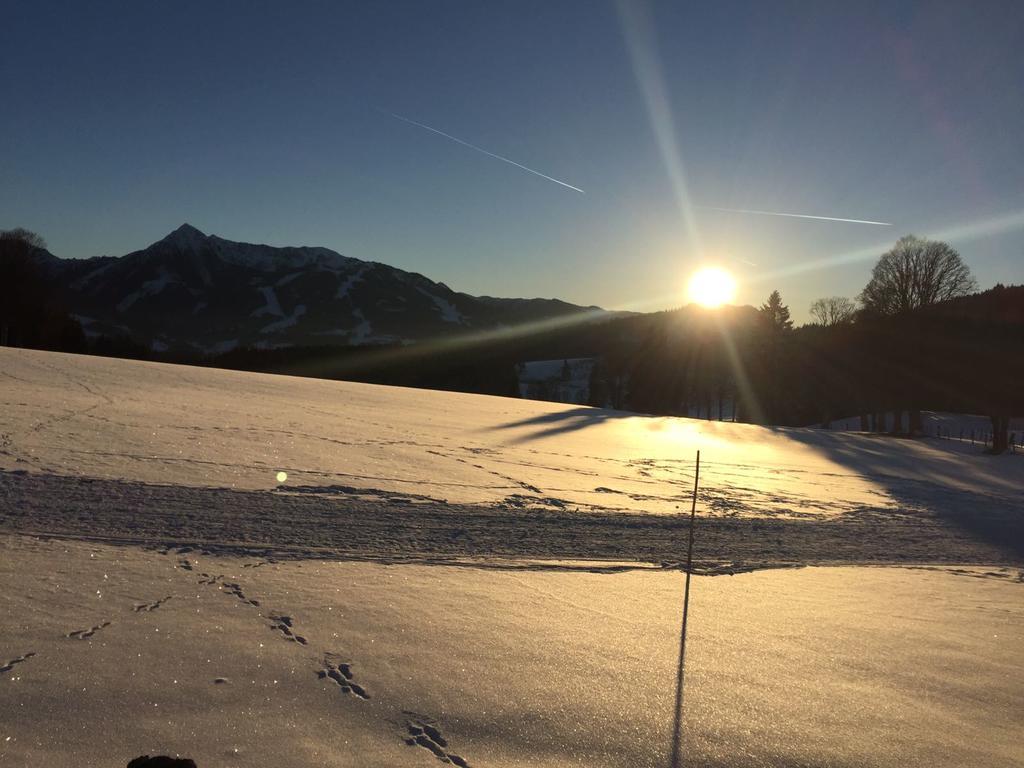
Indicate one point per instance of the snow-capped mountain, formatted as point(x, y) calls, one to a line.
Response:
point(201, 293)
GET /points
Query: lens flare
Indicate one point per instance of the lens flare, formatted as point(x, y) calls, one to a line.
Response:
point(282, 476)
point(711, 287)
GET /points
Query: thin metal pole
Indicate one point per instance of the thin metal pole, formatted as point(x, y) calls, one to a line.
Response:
point(677, 730)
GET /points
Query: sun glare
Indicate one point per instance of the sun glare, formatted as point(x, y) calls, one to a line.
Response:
point(711, 287)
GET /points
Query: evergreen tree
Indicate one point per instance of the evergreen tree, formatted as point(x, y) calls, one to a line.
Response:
point(775, 328)
point(775, 313)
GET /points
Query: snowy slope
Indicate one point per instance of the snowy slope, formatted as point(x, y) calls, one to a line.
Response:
point(840, 666)
point(952, 426)
point(491, 573)
point(149, 422)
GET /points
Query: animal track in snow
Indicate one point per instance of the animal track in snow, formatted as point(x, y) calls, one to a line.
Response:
point(507, 478)
point(422, 732)
point(283, 624)
point(10, 664)
point(85, 634)
point(147, 607)
point(235, 589)
point(341, 673)
point(230, 587)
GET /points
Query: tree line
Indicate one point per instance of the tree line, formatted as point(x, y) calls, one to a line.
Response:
point(917, 338)
point(32, 312)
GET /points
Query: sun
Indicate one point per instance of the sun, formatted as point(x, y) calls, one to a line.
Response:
point(711, 287)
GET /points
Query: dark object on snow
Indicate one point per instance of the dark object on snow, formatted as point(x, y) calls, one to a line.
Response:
point(161, 762)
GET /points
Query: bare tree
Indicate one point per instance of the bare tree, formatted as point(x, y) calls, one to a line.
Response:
point(32, 313)
point(834, 310)
point(916, 273)
point(19, 235)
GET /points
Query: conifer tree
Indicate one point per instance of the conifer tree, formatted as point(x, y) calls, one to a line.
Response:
point(775, 313)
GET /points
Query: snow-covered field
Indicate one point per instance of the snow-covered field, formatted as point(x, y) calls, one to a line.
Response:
point(490, 577)
point(962, 427)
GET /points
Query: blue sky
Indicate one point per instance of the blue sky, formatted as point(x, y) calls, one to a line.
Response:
point(267, 122)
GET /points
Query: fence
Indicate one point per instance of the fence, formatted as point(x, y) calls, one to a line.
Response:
point(974, 435)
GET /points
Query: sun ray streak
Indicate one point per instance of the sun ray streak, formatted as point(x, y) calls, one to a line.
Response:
point(377, 358)
point(745, 392)
point(457, 140)
point(637, 29)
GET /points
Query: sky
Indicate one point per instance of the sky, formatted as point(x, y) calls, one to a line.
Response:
point(322, 124)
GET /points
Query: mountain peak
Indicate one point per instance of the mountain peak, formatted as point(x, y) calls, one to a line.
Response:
point(185, 236)
point(187, 228)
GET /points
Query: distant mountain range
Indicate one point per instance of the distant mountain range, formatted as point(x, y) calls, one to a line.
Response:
point(191, 292)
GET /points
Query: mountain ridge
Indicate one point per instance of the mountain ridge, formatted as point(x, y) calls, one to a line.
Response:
point(193, 292)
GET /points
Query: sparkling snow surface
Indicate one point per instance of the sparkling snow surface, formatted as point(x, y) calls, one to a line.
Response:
point(812, 667)
point(172, 609)
point(187, 426)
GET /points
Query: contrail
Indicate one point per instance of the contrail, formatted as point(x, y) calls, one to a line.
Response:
point(795, 215)
point(457, 140)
